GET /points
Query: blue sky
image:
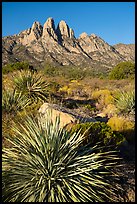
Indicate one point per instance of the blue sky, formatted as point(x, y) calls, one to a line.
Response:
point(114, 22)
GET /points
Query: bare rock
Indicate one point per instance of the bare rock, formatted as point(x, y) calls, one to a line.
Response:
point(37, 30)
point(65, 118)
point(63, 29)
point(71, 33)
point(32, 34)
point(59, 46)
point(49, 29)
point(127, 50)
point(83, 35)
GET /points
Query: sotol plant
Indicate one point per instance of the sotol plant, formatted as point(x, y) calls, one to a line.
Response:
point(125, 102)
point(47, 164)
point(32, 85)
point(13, 101)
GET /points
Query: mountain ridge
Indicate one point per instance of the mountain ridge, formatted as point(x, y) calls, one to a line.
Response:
point(59, 46)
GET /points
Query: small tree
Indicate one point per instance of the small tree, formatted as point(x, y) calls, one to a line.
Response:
point(123, 70)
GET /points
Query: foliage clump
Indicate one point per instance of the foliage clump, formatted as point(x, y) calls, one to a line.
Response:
point(103, 97)
point(31, 85)
point(14, 67)
point(98, 132)
point(123, 70)
point(124, 126)
point(13, 101)
point(47, 164)
point(125, 102)
point(74, 88)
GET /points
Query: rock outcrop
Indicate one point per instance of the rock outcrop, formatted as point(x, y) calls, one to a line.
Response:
point(128, 51)
point(66, 116)
point(49, 29)
point(59, 46)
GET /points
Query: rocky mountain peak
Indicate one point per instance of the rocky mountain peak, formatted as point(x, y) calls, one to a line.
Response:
point(63, 29)
point(93, 35)
point(36, 30)
point(83, 35)
point(59, 45)
point(49, 24)
point(71, 33)
point(49, 29)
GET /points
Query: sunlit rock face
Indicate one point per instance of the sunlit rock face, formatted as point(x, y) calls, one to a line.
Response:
point(58, 45)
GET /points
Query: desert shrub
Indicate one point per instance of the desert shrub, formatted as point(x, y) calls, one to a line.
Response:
point(69, 72)
point(98, 132)
point(64, 90)
point(50, 70)
point(47, 164)
point(32, 85)
point(124, 126)
point(53, 87)
point(7, 124)
point(14, 67)
point(110, 110)
point(74, 88)
point(104, 97)
point(10, 117)
point(90, 107)
point(123, 70)
point(7, 82)
point(70, 104)
point(125, 102)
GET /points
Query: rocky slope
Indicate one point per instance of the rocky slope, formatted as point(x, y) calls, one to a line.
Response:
point(40, 44)
point(128, 51)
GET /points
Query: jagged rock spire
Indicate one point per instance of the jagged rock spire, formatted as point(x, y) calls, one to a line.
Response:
point(49, 28)
point(83, 35)
point(64, 30)
point(37, 29)
point(49, 24)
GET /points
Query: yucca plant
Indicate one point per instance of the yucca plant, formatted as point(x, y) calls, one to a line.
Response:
point(48, 164)
point(125, 102)
point(13, 101)
point(32, 85)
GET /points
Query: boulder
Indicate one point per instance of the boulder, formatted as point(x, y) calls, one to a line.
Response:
point(65, 118)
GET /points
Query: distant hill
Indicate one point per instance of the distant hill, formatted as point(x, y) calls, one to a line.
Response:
point(59, 46)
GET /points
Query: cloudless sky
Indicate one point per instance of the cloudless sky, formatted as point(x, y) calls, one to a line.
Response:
point(114, 22)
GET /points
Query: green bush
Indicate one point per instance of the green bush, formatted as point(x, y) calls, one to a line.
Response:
point(14, 67)
point(98, 132)
point(90, 107)
point(47, 164)
point(123, 70)
point(72, 72)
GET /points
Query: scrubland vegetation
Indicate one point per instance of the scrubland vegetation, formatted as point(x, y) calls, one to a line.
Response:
point(43, 163)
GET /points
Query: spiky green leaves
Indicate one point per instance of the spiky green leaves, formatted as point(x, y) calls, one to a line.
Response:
point(13, 101)
point(125, 102)
point(48, 164)
point(32, 85)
